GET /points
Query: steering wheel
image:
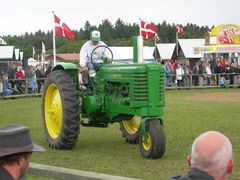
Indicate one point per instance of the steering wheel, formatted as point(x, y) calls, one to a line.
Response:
point(101, 54)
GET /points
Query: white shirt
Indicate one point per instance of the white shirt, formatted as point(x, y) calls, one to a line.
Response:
point(208, 71)
point(179, 73)
point(86, 51)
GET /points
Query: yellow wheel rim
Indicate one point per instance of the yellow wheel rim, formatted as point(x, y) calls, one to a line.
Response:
point(53, 111)
point(148, 144)
point(132, 125)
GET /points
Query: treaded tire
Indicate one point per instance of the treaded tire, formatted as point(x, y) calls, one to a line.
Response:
point(60, 110)
point(130, 129)
point(156, 141)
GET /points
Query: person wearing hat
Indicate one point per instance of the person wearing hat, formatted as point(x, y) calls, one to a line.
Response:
point(87, 48)
point(86, 51)
point(16, 148)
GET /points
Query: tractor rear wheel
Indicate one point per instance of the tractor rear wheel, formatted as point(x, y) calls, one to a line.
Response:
point(130, 129)
point(156, 141)
point(60, 110)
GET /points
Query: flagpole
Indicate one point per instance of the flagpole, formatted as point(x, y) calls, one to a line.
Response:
point(54, 44)
point(140, 27)
point(177, 42)
point(155, 43)
point(43, 55)
point(33, 52)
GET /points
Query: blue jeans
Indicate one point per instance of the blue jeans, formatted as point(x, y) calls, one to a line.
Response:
point(32, 85)
point(7, 92)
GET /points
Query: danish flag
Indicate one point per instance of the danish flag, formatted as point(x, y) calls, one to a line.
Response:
point(179, 29)
point(61, 29)
point(148, 31)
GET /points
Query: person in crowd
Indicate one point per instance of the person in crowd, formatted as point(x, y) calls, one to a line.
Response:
point(173, 64)
point(208, 73)
point(31, 79)
point(187, 71)
point(201, 71)
point(20, 80)
point(12, 74)
point(39, 75)
point(211, 158)
point(195, 75)
point(222, 63)
point(222, 81)
point(168, 72)
point(19, 73)
point(6, 86)
point(86, 51)
point(237, 74)
point(232, 60)
point(179, 75)
point(229, 74)
point(218, 70)
point(16, 148)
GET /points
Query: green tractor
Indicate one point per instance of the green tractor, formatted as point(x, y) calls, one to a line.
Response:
point(130, 94)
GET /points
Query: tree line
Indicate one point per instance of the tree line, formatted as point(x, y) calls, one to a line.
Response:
point(119, 33)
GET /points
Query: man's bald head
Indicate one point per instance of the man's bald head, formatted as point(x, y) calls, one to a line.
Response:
point(211, 151)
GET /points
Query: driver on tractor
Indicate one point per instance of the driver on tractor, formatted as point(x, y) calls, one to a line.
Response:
point(86, 53)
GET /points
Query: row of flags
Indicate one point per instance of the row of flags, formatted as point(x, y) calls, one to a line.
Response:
point(147, 30)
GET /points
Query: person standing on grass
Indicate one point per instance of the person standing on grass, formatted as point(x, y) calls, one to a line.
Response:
point(211, 158)
point(16, 148)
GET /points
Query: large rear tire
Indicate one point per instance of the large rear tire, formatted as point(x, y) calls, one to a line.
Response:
point(130, 129)
point(156, 141)
point(60, 110)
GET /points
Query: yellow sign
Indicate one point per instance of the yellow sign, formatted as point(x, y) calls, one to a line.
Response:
point(205, 49)
point(226, 34)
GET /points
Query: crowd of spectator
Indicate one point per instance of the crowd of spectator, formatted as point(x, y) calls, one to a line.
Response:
point(220, 72)
point(19, 81)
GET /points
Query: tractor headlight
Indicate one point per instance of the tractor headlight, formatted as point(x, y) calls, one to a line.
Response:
point(92, 73)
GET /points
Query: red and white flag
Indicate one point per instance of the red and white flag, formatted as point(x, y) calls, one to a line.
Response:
point(179, 29)
point(61, 29)
point(148, 31)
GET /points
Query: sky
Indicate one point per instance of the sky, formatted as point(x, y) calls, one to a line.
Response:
point(20, 16)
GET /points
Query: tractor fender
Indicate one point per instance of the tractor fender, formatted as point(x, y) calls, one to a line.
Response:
point(69, 68)
point(65, 66)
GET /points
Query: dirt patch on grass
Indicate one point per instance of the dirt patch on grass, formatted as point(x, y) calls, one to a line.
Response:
point(222, 97)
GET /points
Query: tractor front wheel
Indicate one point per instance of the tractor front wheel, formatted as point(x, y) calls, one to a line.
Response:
point(154, 147)
point(60, 110)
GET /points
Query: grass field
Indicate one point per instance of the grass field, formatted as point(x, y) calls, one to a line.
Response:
point(104, 150)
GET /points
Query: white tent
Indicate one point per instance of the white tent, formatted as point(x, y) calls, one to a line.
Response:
point(166, 50)
point(188, 46)
point(6, 52)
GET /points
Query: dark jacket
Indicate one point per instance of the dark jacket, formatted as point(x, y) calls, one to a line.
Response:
point(11, 74)
point(193, 174)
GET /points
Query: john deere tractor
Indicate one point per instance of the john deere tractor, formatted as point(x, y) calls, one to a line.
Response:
point(129, 94)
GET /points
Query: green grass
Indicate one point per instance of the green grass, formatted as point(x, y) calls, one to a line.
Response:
point(104, 150)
